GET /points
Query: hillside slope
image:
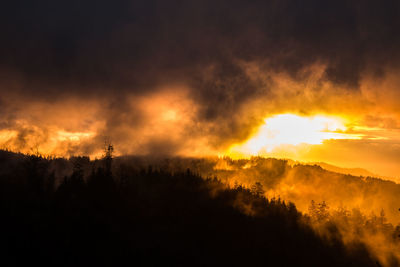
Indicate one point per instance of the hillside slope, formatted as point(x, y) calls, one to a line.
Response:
point(151, 217)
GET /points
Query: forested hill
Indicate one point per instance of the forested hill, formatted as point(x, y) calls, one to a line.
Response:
point(298, 183)
point(100, 215)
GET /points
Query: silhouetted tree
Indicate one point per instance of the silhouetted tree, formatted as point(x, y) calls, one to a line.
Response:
point(319, 212)
point(108, 157)
point(257, 189)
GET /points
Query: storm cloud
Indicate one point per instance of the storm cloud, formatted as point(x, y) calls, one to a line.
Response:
point(230, 63)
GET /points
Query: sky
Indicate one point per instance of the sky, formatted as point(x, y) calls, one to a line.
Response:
point(201, 78)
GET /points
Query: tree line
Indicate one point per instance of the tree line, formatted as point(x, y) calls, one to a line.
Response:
point(119, 215)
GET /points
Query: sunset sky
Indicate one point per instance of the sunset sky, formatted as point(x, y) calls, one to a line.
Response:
point(307, 80)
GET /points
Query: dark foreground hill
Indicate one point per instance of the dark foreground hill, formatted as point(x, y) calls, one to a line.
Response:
point(151, 218)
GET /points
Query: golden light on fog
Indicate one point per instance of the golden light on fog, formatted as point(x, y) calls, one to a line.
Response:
point(55, 145)
point(170, 115)
point(73, 136)
point(290, 129)
point(6, 135)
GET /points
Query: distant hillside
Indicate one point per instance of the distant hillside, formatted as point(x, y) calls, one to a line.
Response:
point(351, 171)
point(333, 168)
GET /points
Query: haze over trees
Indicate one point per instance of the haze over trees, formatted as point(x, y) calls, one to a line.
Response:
point(125, 211)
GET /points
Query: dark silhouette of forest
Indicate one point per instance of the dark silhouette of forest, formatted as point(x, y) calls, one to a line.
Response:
point(106, 213)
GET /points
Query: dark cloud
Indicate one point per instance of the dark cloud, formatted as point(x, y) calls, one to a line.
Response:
point(127, 42)
point(108, 50)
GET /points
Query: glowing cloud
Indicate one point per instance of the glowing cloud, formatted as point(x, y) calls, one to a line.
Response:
point(289, 129)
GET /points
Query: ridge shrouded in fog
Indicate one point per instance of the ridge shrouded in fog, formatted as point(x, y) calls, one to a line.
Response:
point(141, 210)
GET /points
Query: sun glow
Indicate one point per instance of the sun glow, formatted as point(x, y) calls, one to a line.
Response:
point(289, 129)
